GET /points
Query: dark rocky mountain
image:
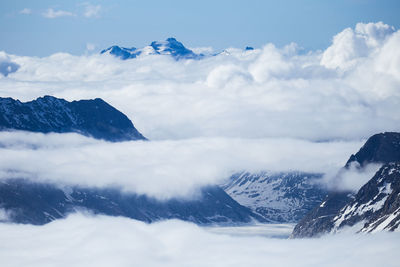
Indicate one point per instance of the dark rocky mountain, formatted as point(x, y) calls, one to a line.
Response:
point(379, 148)
point(39, 203)
point(170, 47)
point(278, 197)
point(94, 118)
point(383, 148)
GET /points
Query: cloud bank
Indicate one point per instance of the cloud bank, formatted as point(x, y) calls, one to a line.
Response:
point(351, 179)
point(105, 241)
point(162, 169)
point(349, 91)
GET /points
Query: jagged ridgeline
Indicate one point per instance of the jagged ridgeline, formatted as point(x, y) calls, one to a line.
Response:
point(94, 118)
point(170, 47)
point(375, 207)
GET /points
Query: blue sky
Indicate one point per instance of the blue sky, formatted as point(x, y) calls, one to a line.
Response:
point(40, 28)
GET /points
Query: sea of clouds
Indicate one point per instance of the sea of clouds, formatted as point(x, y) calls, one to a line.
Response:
point(348, 91)
point(272, 108)
point(161, 169)
point(83, 240)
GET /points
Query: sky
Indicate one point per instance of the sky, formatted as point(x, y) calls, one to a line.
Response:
point(41, 28)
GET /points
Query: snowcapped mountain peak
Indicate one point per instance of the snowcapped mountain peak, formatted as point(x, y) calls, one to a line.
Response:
point(170, 47)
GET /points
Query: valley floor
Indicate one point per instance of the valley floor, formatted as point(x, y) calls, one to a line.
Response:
point(86, 240)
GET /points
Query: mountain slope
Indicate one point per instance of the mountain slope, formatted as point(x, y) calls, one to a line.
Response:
point(39, 203)
point(376, 205)
point(94, 118)
point(383, 148)
point(278, 197)
point(170, 47)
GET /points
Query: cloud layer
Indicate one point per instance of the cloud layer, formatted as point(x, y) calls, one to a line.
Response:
point(162, 169)
point(106, 241)
point(349, 91)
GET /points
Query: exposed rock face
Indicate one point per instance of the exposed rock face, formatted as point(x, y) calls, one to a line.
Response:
point(342, 209)
point(94, 118)
point(379, 148)
point(39, 203)
point(278, 197)
point(376, 205)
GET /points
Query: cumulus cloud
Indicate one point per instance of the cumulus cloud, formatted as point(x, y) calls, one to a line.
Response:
point(266, 92)
point(161, 169)
point(51, 13)
point(109, 241)
point(349, 46)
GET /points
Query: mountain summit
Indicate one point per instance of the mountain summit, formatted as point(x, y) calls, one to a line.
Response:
point(94, 118)
point(170, 47)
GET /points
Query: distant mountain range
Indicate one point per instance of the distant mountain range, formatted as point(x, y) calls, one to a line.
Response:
point(40, 203)
point(376, 206)
point(170, 47)
point(278, 197)
point(94, 118)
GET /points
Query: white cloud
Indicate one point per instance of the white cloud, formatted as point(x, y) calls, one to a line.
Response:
point(5, 215)
point(203, 50)
point(51, 13)
point(110, 241)
point(270, 64)
point(26, 11)
point(267, 92)
point(92, 10)
point(351, 179)
point(349, 46)
point(162, 169)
